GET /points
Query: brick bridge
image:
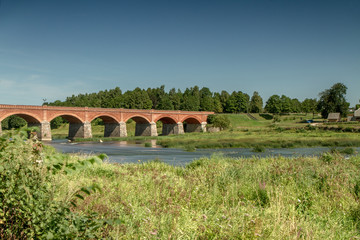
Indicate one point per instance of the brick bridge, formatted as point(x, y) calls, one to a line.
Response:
point(114, 119)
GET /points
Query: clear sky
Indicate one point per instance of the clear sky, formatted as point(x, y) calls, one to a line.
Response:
point(51, 49)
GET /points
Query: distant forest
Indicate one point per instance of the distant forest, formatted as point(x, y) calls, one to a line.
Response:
point(192, 99)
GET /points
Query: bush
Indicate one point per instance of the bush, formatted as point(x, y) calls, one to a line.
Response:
point(27, 188)
point(221, 121)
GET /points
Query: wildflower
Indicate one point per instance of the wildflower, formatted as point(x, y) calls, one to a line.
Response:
point(154, 232)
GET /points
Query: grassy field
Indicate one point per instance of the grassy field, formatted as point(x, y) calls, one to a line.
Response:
point(210, 198)
point(223, 198)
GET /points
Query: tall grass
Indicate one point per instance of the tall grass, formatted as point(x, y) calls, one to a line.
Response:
point(225, 198)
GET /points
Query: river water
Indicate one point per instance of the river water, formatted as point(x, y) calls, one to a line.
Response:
point(132, 152)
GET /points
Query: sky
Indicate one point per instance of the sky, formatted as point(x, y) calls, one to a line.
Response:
point(50, 50)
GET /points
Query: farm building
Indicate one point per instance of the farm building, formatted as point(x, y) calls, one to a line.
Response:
point(357, 115)
point(334, 117)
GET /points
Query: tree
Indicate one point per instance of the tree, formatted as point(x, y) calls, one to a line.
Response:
point(217, 103)
point(191, 99)
point(224, 96)
point(206, 99)
point(175, 98)
point(333, 100)
point(357, 106)
point(309, 105)
point(13, 121)
point(285, 104)
point(273, 104)
point(237, 102)
point(295, 105)
point(220, 121)
point(256, 103)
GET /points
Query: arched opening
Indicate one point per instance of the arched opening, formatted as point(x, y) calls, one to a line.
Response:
point(69, 126)
point(19, 120)
point(140, 126)
point(167, 126)
point(106, 126)
point(192, 125)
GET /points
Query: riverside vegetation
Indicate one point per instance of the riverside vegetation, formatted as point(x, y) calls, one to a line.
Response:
point(286, 131)
point(65, 196)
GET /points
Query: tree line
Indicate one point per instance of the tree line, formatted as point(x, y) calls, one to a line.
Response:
point(192, 99)
point(196, 99)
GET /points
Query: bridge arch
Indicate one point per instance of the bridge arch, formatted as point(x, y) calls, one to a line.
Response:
point(112, 126)
point(193, 124)
point(143, 126)
point(166, 119)
point(138, 119)
point(28, 117)
point(71, 118)
point(107, 118)
point(169, 125)
point(191, 120)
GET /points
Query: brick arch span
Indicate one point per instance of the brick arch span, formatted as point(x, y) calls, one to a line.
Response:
point(170, 125)
point(28, 117)
point(70, 117)
point(191, 120)
point(107, 118)
point(138, 119)
point(166, 119)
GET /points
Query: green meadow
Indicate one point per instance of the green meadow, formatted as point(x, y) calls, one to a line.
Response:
point(45, 194)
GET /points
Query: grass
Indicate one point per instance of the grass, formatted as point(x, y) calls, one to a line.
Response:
point(210, 198)
point(225, 198)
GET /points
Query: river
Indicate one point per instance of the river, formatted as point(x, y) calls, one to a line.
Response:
point(132, 152)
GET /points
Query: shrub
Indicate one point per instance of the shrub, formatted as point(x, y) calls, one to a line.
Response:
point(27, 188)
point(258, 148)
point(221, 121)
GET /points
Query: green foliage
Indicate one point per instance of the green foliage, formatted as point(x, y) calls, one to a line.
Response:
point(226, 198)
point(273, 104)
point(57, 122)
point(258, 148)
point(256, 103)
point(13, 121)
point(220, 121)
point(237, 102)
point(333, 100)
point(29, 209)
point(276, 118)
point(309, 105)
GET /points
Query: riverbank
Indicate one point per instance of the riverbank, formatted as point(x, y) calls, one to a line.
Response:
point(210, 198)
point(217, 197)
point(289, 131)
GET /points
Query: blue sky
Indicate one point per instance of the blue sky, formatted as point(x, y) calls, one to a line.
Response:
point(53, 49)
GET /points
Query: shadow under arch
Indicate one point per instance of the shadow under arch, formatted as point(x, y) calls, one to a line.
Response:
point(170, 126)
point(27, 119)
point(143, 127)
point(77, 127)
point(112, 127)
point(192, 124)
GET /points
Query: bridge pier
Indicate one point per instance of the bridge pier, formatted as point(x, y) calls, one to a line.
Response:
point(115, 129)
point(196, 127)
point(145, 129)
point(44, 130)
point(173, 128)
point(80, 130)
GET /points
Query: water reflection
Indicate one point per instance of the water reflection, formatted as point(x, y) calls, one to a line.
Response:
point(134, 152)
